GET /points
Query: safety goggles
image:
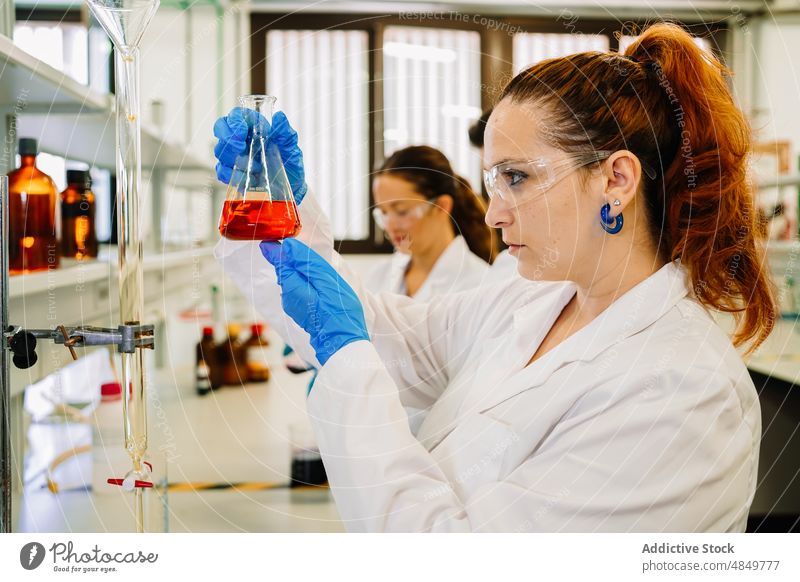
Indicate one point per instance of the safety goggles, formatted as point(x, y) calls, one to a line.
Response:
point(519, 182)
point(402, 217)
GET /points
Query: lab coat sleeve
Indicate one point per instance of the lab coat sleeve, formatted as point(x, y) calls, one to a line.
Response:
point(419, 342)
point(424, 344)
point(381, 477)
point(618, 466)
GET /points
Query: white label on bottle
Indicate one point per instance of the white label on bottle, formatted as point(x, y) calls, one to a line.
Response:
point(203, 376)
point(259, 356)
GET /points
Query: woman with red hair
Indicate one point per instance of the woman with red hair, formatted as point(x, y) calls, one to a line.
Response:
point(599, 394)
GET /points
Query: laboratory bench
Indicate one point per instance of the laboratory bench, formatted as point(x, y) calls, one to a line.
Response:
point(200, 446)
point(85, 293)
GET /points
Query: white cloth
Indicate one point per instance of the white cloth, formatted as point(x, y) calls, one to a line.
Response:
point(77, 382)
point(645, 420)
point(455, 270)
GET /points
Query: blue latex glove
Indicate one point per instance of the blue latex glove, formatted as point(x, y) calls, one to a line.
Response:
point(233, 132)
point(316, 297)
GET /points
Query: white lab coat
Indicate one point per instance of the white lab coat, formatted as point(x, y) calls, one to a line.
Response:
point(645, 420)
point(457, 269)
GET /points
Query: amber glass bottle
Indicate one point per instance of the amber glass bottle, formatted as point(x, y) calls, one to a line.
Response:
point(208, 372)
point(33, 242)
point(78, 235)
point(232, 354)
point(256, 355)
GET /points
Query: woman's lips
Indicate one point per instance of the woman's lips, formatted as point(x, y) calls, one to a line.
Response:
point(512, 249)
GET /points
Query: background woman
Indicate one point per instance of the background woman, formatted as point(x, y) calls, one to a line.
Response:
point(435, 222)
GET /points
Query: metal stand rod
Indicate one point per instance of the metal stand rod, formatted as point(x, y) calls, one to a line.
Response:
point(5, 384)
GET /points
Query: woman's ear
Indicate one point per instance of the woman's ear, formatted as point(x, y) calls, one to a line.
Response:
point(623, 172)
point(445, 202)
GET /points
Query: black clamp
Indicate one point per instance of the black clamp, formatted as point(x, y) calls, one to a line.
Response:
point(127, 338)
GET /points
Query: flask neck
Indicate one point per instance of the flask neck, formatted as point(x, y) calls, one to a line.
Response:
point(27, 161)
point(260, 104)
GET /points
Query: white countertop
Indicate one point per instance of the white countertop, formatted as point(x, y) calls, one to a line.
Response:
point(235, 434)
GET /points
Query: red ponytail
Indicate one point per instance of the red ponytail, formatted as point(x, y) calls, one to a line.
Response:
point(666, 100)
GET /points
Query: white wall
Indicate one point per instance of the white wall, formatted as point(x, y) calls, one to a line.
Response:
point(163, 70)
point(202, 93)
point(776, 81)
point(180, 57)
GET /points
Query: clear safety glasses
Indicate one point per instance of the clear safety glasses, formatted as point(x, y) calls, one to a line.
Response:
point(400, 217)
point(519, 182)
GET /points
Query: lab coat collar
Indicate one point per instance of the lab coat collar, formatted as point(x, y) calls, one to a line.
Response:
point(633, 312)
point(630, 314)
point(397, 272)
point(440, 279)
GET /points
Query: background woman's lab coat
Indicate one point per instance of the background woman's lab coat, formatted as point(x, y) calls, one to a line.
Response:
point(645, 420)
point(457, 269)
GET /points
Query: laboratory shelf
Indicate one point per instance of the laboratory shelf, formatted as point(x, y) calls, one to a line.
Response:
point(30, 84)
point(71, 120)
point(79, 273)
point(91, 138)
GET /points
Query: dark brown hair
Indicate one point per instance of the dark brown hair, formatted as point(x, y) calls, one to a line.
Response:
point(431, 174)
point(666, 100)
point(478, 129)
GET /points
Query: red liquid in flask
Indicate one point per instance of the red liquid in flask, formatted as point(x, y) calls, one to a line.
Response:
point(259, 220)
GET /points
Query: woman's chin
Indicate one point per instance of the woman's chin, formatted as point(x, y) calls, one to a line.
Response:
point(534, 271)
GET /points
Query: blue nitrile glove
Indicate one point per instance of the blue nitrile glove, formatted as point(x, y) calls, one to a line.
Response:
point(316, 297)
point(233, 132)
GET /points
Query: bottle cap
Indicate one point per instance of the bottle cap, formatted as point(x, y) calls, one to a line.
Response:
point(257, 329)
point(208, 330)
point(28, 146)
point(234, 329)
point(80, 177)
point(110, 391)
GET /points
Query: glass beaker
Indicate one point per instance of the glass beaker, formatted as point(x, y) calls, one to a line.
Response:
point(259, 204)
point(309, 481)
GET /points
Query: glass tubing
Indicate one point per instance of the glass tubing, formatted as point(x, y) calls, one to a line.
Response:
point(124, 21)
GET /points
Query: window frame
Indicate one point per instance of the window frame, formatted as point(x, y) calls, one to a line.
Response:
point(261, 23)
point(496, 66)
point(48, 14)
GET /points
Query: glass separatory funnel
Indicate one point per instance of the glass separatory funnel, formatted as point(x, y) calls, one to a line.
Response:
point(125, 21)
point(259, 204)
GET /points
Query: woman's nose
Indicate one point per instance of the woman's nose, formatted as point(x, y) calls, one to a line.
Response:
point(498, 215)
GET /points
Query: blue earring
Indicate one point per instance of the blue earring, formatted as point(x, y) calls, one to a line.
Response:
point(610, 225)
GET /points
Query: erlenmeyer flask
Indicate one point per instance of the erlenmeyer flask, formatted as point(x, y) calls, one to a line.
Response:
point(259, 204)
